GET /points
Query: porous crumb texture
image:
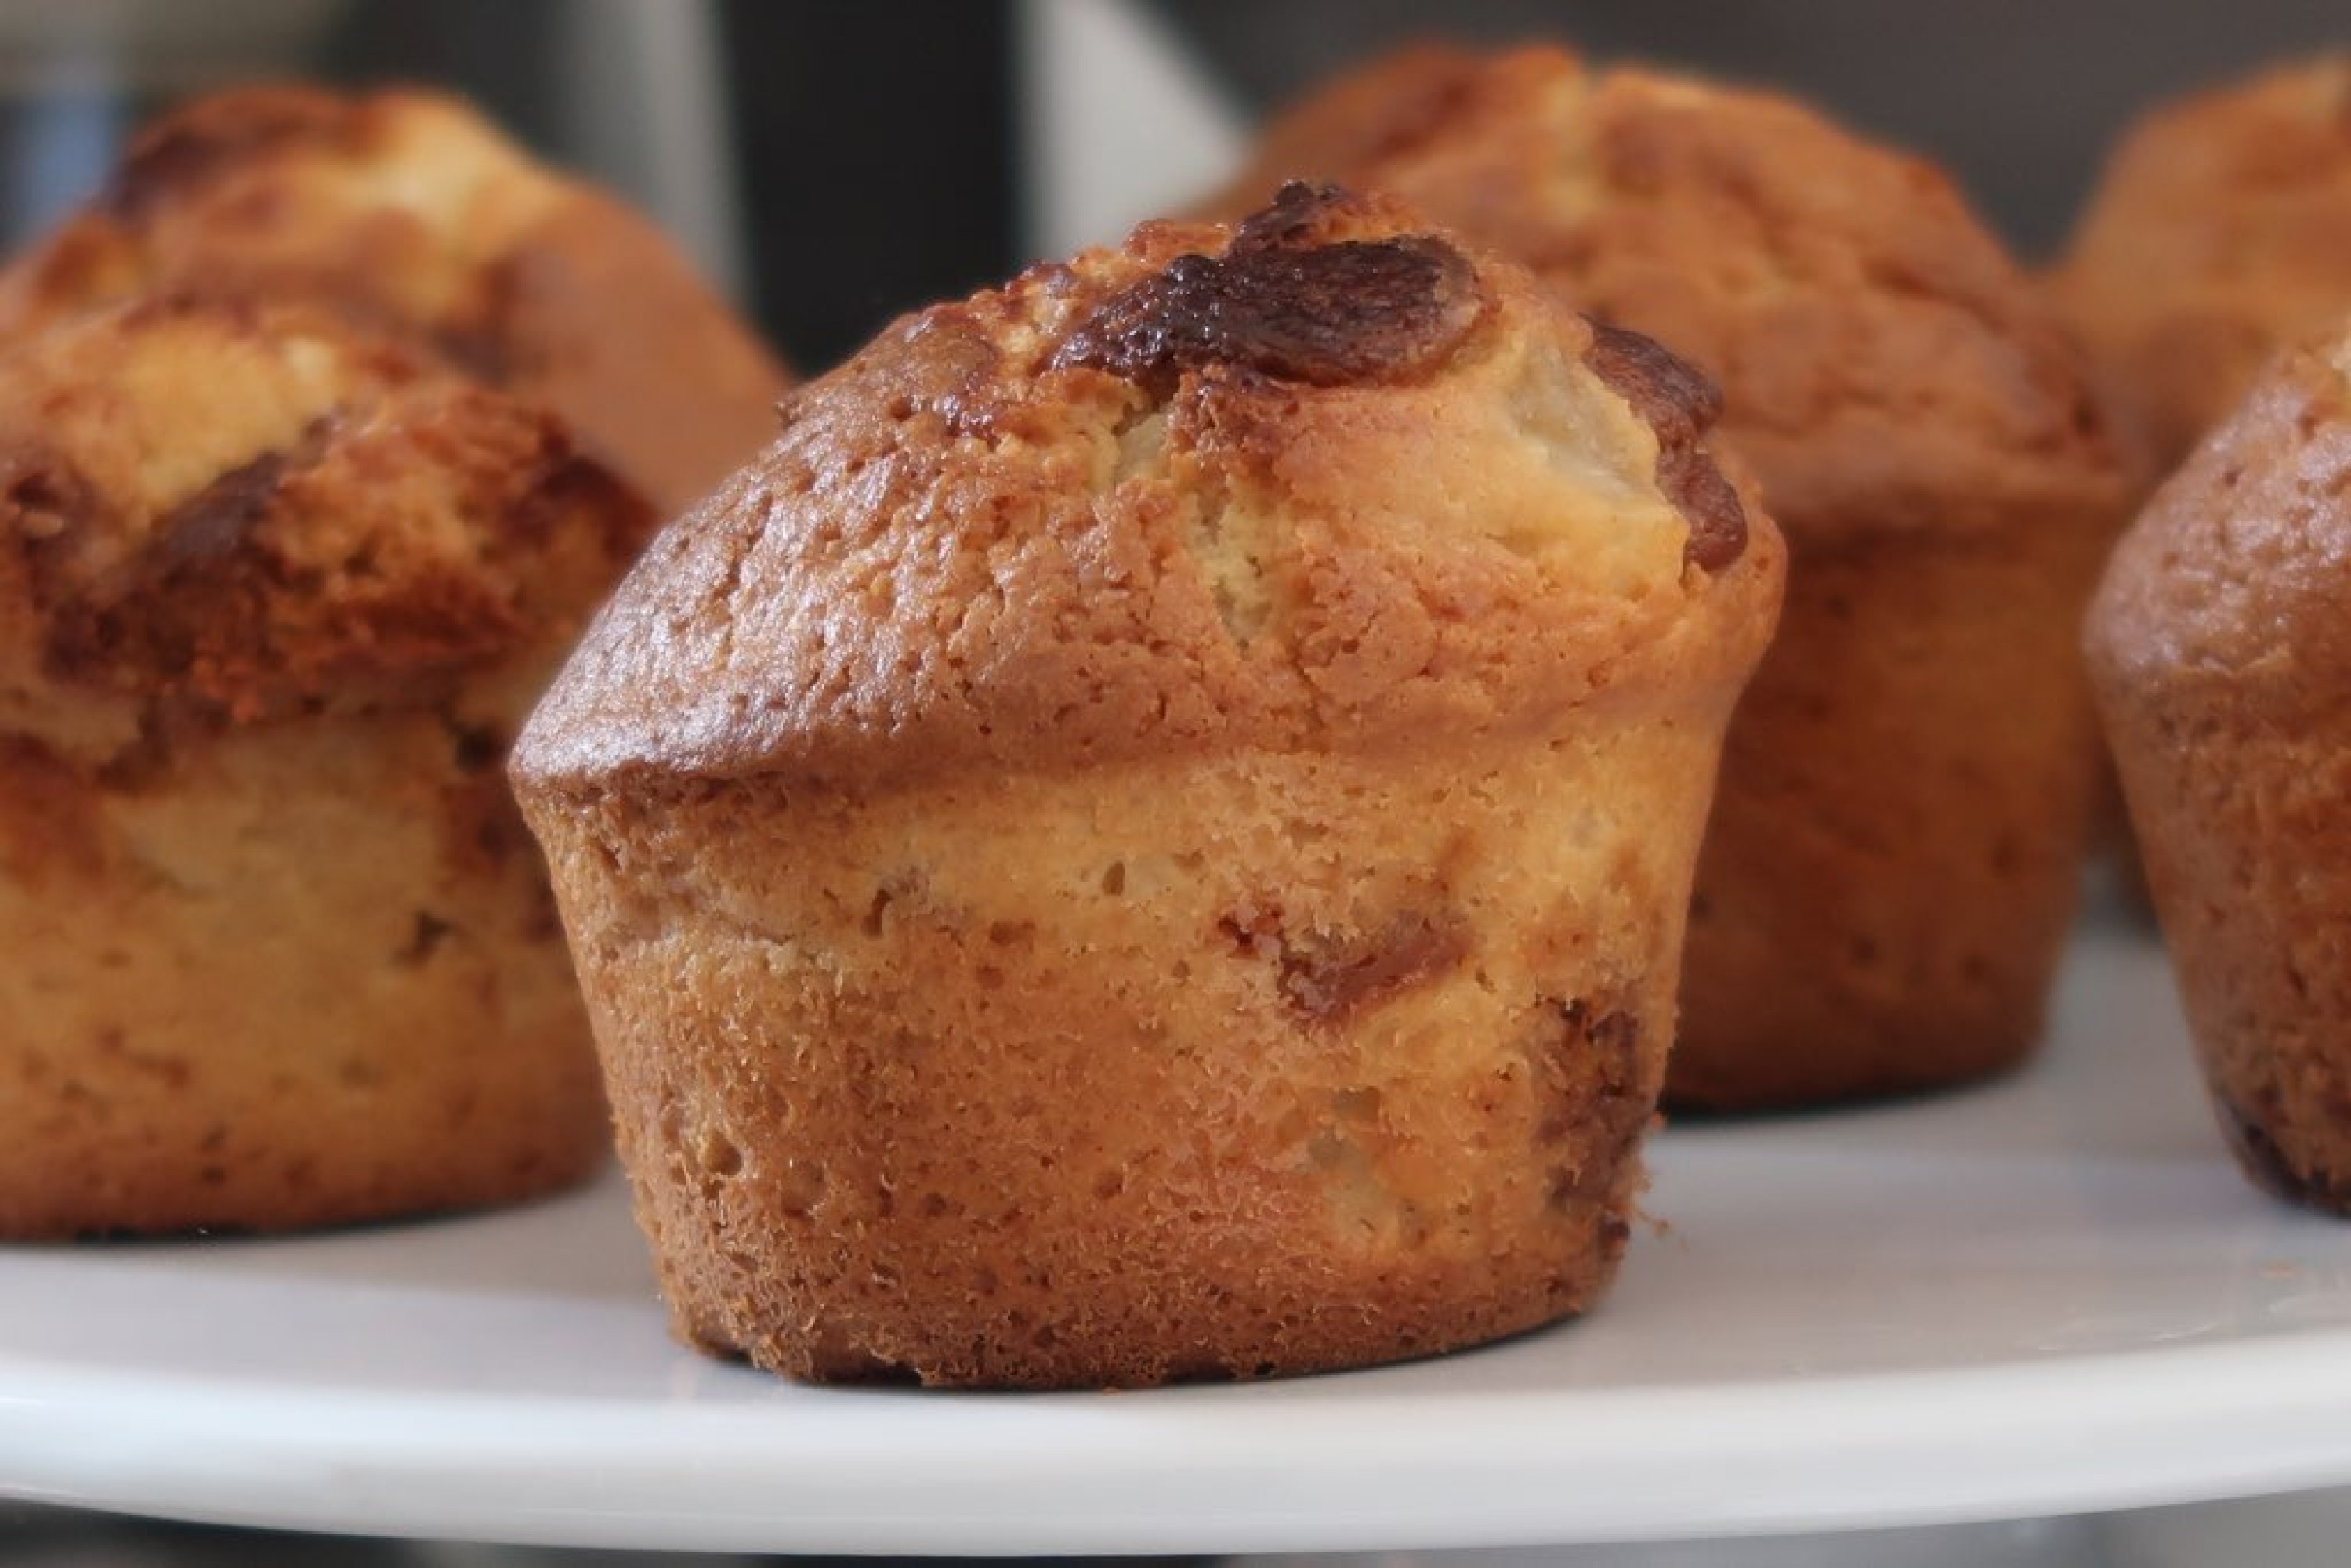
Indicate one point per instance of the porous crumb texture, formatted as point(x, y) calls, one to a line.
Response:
point(1147, 837)
point(2215, 235)
point(1904, 798)
point(2221, 656)
point(272, 597)
point(302, 975)
point(1243, 1067)
point(407, 209)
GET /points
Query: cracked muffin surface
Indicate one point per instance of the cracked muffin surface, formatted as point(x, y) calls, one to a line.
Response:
point(1146, 837)
point(276, 594)
point(407, 212)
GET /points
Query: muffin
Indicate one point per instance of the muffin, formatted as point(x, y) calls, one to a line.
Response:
point(2221, 657)
point(2219, 234)
point(1893, 864)
point(273, 596)
point(407, 209)
point(1147, 837)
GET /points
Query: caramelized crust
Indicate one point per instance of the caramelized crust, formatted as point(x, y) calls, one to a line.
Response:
point(1283, 301)
point(1106, 513)
point(2218, 233)
point(333, 520)
point(1679, 403)
point(403, 210)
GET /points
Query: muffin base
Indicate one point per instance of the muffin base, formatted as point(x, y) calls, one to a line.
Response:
point(2241, 818)
point(301, 976)
point(1231, 1067)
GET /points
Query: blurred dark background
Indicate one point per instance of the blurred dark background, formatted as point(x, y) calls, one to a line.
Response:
point(837, 163)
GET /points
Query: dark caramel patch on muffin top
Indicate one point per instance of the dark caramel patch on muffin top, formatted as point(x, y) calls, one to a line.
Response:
point(215, 137)
point(1129, 507)
point(386, 528)
point(1679, 402)
point(1287, 304)
point(218, 519)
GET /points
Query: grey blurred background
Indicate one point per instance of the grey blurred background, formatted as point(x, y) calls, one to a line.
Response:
point(834, 164)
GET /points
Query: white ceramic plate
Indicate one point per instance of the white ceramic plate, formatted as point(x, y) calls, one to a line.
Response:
point(2053, 1295)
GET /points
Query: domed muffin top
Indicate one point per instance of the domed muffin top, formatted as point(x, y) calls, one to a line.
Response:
point(1326, 480)
point(2233, 577)
point(2221, 231)
point(1882, 359)
point(218, 513)
point(407, 209)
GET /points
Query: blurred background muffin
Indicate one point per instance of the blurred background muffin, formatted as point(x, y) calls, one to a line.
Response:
point(407, 211)
point(2221, 231)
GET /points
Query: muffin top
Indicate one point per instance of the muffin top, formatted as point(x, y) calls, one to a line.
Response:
point(2231, 581)
point(1327, 480)
point(2221, 230)
point(1882, 360)
point(222, 514)
point(408, 211)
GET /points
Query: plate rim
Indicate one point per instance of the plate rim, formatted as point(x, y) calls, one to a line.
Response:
point(846, 1473)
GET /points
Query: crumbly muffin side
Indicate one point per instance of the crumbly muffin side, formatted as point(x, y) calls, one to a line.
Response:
point(1227, 1066)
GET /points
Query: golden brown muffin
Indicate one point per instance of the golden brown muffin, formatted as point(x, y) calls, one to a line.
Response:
point(1893, 864)
point(2221, 656)
point(1147, 837)
point(2220, 232)
point(407, 210)
point(273, 596)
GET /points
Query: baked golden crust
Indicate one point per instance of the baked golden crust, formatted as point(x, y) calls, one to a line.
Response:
point(232, 513)
point(2227, 580)
point(273, 596)
point(1882, 901)
point(1225, 1066)
point(2217, 234)
point(2220, 654)
point(406, 211)
point(1148, 836)
point(978, 547)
